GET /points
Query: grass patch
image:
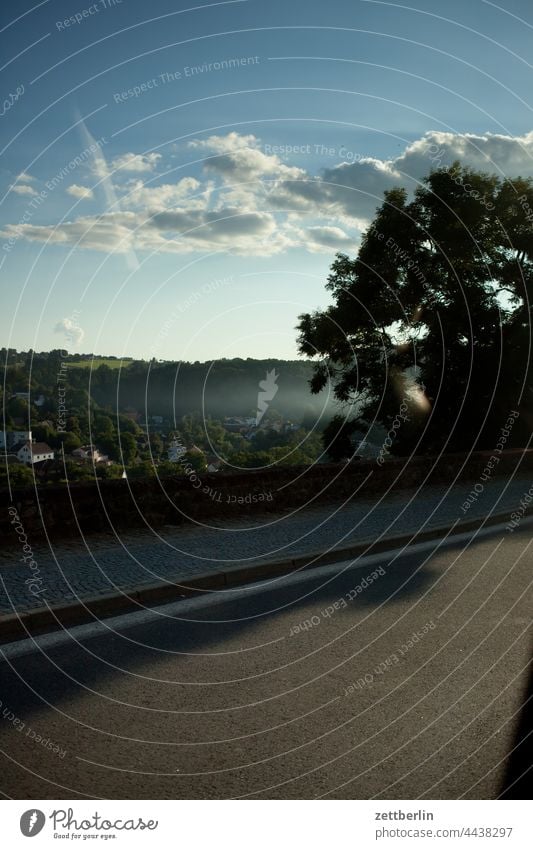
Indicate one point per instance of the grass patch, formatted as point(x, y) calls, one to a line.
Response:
point(99, 361)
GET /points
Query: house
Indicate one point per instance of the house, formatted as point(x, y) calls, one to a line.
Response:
point(90, 452)
point(9, 438)
point(33, 452)
point(26, 396)
point(214, 463)
point(239, 424)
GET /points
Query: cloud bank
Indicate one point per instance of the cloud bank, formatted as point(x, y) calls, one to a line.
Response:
point(250, 202)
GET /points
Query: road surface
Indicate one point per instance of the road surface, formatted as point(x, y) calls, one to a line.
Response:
point(391, 677)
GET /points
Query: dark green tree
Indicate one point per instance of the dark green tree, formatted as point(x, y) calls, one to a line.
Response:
point(128, 448)
point(69, 441)
point(156, 446)
point(432, 317)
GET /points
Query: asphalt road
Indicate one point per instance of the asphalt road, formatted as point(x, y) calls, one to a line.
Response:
point(229, 697)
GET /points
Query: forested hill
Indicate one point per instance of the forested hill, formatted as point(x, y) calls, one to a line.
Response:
point(215, 389)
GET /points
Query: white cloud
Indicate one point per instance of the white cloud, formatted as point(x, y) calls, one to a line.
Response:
point(138, 162)
point(82, 192)
point(225, 144)
point(238, 159)
point(159, 197)
point(169, 231)
point(72, 331)
point(23, 190)
point(110, 231)
point(355, 189)
point(510, 156)
point(24, 178)
point(226, 229)
point(247, 201)
point(347, 190)
point(328, 239)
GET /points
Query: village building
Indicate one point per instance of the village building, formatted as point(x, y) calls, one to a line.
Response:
point(91, 453)
point(9, 438)
point(33, 452)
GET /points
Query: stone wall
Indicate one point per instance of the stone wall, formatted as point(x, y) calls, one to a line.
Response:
point(95, 507)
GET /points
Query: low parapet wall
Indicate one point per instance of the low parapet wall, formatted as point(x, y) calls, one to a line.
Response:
point(62, 510)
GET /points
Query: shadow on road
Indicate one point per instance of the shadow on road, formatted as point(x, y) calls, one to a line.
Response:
point(518, 778)
point(50, 678)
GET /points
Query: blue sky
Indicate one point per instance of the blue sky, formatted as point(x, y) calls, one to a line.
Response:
point(176, 178)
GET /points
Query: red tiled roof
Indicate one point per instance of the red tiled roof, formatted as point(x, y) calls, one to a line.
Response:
point(39, 447)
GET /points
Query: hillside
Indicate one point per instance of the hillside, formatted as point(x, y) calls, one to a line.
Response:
point(169, 389)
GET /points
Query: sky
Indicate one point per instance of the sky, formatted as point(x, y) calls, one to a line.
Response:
point(176, 177)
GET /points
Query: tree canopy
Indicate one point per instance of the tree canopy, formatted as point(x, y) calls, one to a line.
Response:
point(433, 313)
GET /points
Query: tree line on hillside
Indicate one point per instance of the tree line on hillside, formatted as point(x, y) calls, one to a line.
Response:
point(218, 389)
point(130, 442)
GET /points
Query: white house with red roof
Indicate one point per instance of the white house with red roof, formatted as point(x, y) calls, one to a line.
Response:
point(34, 452)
